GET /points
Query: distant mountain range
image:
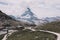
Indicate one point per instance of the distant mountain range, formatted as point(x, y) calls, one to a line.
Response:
point(29, 16)
point(51, 19)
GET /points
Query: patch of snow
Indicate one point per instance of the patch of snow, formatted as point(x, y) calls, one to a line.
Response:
point(27, 16)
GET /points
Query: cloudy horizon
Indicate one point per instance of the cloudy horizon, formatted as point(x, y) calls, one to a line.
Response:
point(41, 8)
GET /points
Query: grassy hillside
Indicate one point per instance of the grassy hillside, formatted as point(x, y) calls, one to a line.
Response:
point(30, 35)
point(53, 26)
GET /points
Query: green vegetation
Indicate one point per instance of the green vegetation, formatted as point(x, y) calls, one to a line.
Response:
point(31, 35)
point(1, 36)
point(53, 26)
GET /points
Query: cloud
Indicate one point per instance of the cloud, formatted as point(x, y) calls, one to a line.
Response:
point(42, 8)
point(14, 7)
point(47, 8)
point(3, 3)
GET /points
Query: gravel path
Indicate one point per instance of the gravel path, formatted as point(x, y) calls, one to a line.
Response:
point(10, 32)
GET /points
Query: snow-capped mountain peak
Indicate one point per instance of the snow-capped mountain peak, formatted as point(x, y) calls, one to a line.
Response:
point(28, 11)
point(29, 16)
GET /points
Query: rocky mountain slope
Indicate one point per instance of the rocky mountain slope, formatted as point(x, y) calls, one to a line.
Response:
point(3, 16)
point(5, 19)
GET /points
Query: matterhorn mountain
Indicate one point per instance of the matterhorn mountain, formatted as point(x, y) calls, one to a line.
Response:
point(29, 16)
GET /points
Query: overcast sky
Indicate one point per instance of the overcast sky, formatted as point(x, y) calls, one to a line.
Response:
point(41, 8)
